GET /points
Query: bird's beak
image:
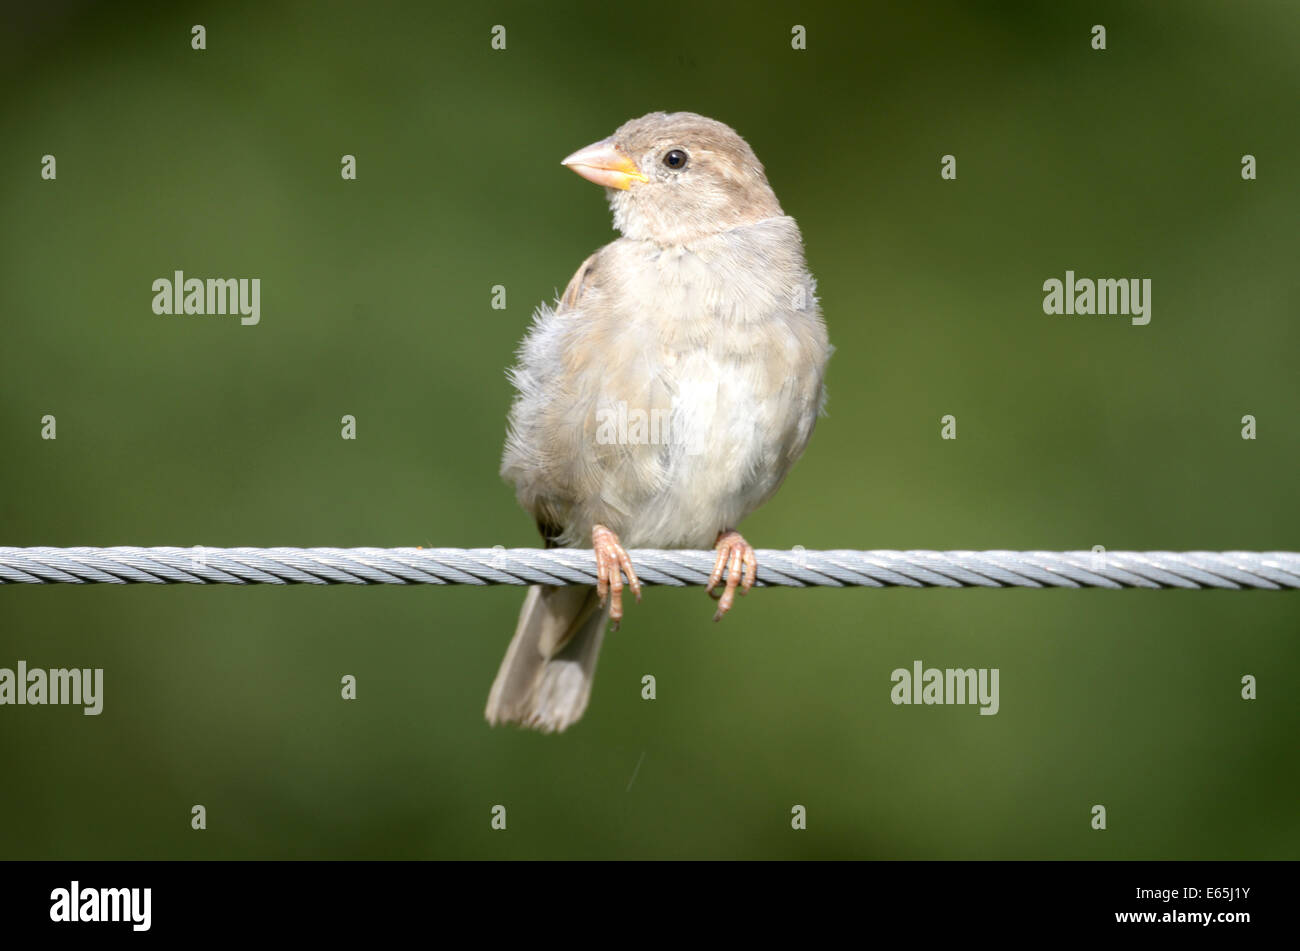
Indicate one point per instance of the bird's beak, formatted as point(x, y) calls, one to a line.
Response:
point(604, 164)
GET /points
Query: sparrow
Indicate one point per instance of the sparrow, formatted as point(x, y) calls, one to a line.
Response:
point(663, 398)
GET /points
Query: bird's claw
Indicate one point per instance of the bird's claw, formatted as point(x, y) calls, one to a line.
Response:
point(737, 559)
point(612, 562)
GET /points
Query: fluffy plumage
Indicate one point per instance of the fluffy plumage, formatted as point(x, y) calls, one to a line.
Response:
point(702, 316)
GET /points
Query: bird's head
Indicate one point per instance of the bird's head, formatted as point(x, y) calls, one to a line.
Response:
point(673, 177)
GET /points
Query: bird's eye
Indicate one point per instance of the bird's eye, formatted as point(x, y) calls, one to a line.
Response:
point(675, 159)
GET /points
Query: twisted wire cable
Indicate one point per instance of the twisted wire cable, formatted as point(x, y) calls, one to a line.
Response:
point(1235, 570)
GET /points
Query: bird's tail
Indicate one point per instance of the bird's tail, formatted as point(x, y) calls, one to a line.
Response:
point(545, 679)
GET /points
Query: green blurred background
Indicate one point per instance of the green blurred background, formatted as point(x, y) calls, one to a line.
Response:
point(1073, 432)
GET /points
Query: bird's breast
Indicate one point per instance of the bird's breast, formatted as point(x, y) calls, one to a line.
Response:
point(710, 382)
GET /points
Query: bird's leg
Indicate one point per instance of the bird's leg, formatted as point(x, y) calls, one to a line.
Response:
point(735, 557)
point(612, 563)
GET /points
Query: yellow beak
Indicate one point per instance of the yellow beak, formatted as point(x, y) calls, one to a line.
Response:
point(604, 164)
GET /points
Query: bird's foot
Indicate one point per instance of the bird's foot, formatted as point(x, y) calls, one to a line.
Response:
point(736, 558)
point(612, 563)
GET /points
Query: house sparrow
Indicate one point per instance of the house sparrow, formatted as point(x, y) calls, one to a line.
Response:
point(664, 398)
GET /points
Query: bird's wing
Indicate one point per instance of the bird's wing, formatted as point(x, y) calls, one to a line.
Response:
point(550, 439)
point(578, 283)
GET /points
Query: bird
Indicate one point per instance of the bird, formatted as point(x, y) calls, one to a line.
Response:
point(663, 397)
